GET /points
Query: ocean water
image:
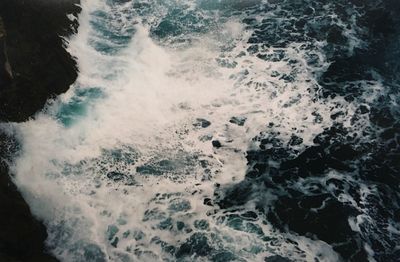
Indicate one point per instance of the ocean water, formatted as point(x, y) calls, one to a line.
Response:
point(221, 130)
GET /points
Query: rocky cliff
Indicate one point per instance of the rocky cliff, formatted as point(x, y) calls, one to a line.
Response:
point(33, 67)
point(40, 64)
point(5, 68)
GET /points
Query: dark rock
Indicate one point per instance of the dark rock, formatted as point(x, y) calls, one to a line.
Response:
point(216, 144)
point(21, 236)
point(5, 68)
point(41, 68)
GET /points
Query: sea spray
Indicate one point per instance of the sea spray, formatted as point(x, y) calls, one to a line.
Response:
point(133, 161)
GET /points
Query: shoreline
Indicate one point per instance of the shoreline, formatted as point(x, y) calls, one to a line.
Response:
point(34, 67)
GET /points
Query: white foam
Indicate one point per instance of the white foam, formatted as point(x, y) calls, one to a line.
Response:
point(151, 94)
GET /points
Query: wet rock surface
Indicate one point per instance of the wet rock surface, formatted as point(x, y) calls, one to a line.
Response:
point(33, 67)
point(40, 65)
point(5, 68)
point(22, 237)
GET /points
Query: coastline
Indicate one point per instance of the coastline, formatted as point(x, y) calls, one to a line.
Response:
point(32, 47)
point(305, 185)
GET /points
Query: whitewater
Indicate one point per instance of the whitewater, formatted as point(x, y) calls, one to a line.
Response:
point(131, 164)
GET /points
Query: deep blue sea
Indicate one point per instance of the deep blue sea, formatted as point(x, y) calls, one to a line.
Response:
point(222, 130)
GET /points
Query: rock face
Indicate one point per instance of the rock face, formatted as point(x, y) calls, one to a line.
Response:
point(41, 66)
point(5, 68)
point(33, 67)
point(21, 235)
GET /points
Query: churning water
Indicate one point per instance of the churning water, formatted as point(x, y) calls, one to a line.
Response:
point(215, 130)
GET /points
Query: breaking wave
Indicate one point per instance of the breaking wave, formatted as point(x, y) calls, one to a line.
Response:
point(219, 131)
